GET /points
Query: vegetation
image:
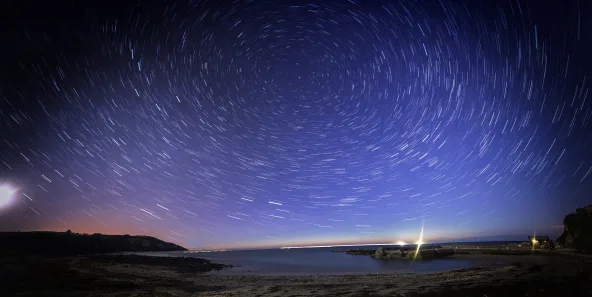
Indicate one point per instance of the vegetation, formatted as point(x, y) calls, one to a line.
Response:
point(578, 229)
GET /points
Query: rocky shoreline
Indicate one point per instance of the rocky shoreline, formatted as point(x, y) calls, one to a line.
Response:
point(395, 253)
point(181, 264)
point(551, 274)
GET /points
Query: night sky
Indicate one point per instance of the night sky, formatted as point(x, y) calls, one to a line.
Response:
point(270, 123)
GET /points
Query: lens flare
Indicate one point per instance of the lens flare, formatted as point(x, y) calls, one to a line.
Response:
point(419, 242)
point(6, 195)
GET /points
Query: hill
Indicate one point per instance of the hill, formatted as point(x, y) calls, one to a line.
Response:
point(69, 244)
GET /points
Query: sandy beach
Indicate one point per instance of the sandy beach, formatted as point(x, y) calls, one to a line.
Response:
point(545, 273)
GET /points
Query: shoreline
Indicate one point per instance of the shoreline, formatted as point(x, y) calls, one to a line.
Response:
point(540, 274)
point(135, 275)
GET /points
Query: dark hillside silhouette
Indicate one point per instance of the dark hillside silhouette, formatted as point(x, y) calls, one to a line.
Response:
point(69, 244)
point(578, 229)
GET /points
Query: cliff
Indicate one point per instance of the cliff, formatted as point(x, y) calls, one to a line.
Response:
point(69, 244)
point(577, 231)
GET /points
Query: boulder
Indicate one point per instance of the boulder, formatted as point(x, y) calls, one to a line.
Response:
point(379, 254)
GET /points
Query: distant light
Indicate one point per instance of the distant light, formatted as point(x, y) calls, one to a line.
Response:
point(401, 243)
point(6, 194)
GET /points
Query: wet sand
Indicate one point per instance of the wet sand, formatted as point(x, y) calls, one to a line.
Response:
point(541, 274)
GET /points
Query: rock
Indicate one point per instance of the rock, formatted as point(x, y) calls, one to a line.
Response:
point(379, 254)
point(445, 252)
point(404, 253)
point(358, 252)
point(428, 254)
point(409, 254)
point(577, 230)
point(436, 253)
point(183, 264)
point(393, 254)
point(568, 239)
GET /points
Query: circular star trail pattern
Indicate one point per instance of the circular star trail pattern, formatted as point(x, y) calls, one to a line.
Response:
point(273, 122)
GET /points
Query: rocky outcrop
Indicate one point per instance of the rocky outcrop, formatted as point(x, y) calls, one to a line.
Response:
point(435, 253)
point(577, 229)
point(406, 253)
point(69, 244)
point(380, 253)
point(356, 252)
point(182, 264)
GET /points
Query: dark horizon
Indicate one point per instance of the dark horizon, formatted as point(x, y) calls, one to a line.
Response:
point(484, 239)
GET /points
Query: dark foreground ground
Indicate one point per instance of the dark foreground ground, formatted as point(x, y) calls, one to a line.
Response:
point(551, 274)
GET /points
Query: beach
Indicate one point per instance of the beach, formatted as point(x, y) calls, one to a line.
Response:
point(543, 273)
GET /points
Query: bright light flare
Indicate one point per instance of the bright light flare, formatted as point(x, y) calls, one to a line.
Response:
point(401, 243)
point(6, 195)
point(419, 242)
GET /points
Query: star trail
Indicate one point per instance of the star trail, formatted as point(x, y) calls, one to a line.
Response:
point(262, 123)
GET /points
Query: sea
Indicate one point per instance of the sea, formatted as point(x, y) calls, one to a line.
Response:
point(320, 261)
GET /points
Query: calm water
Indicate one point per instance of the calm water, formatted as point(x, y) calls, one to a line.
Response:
point(316, 261)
